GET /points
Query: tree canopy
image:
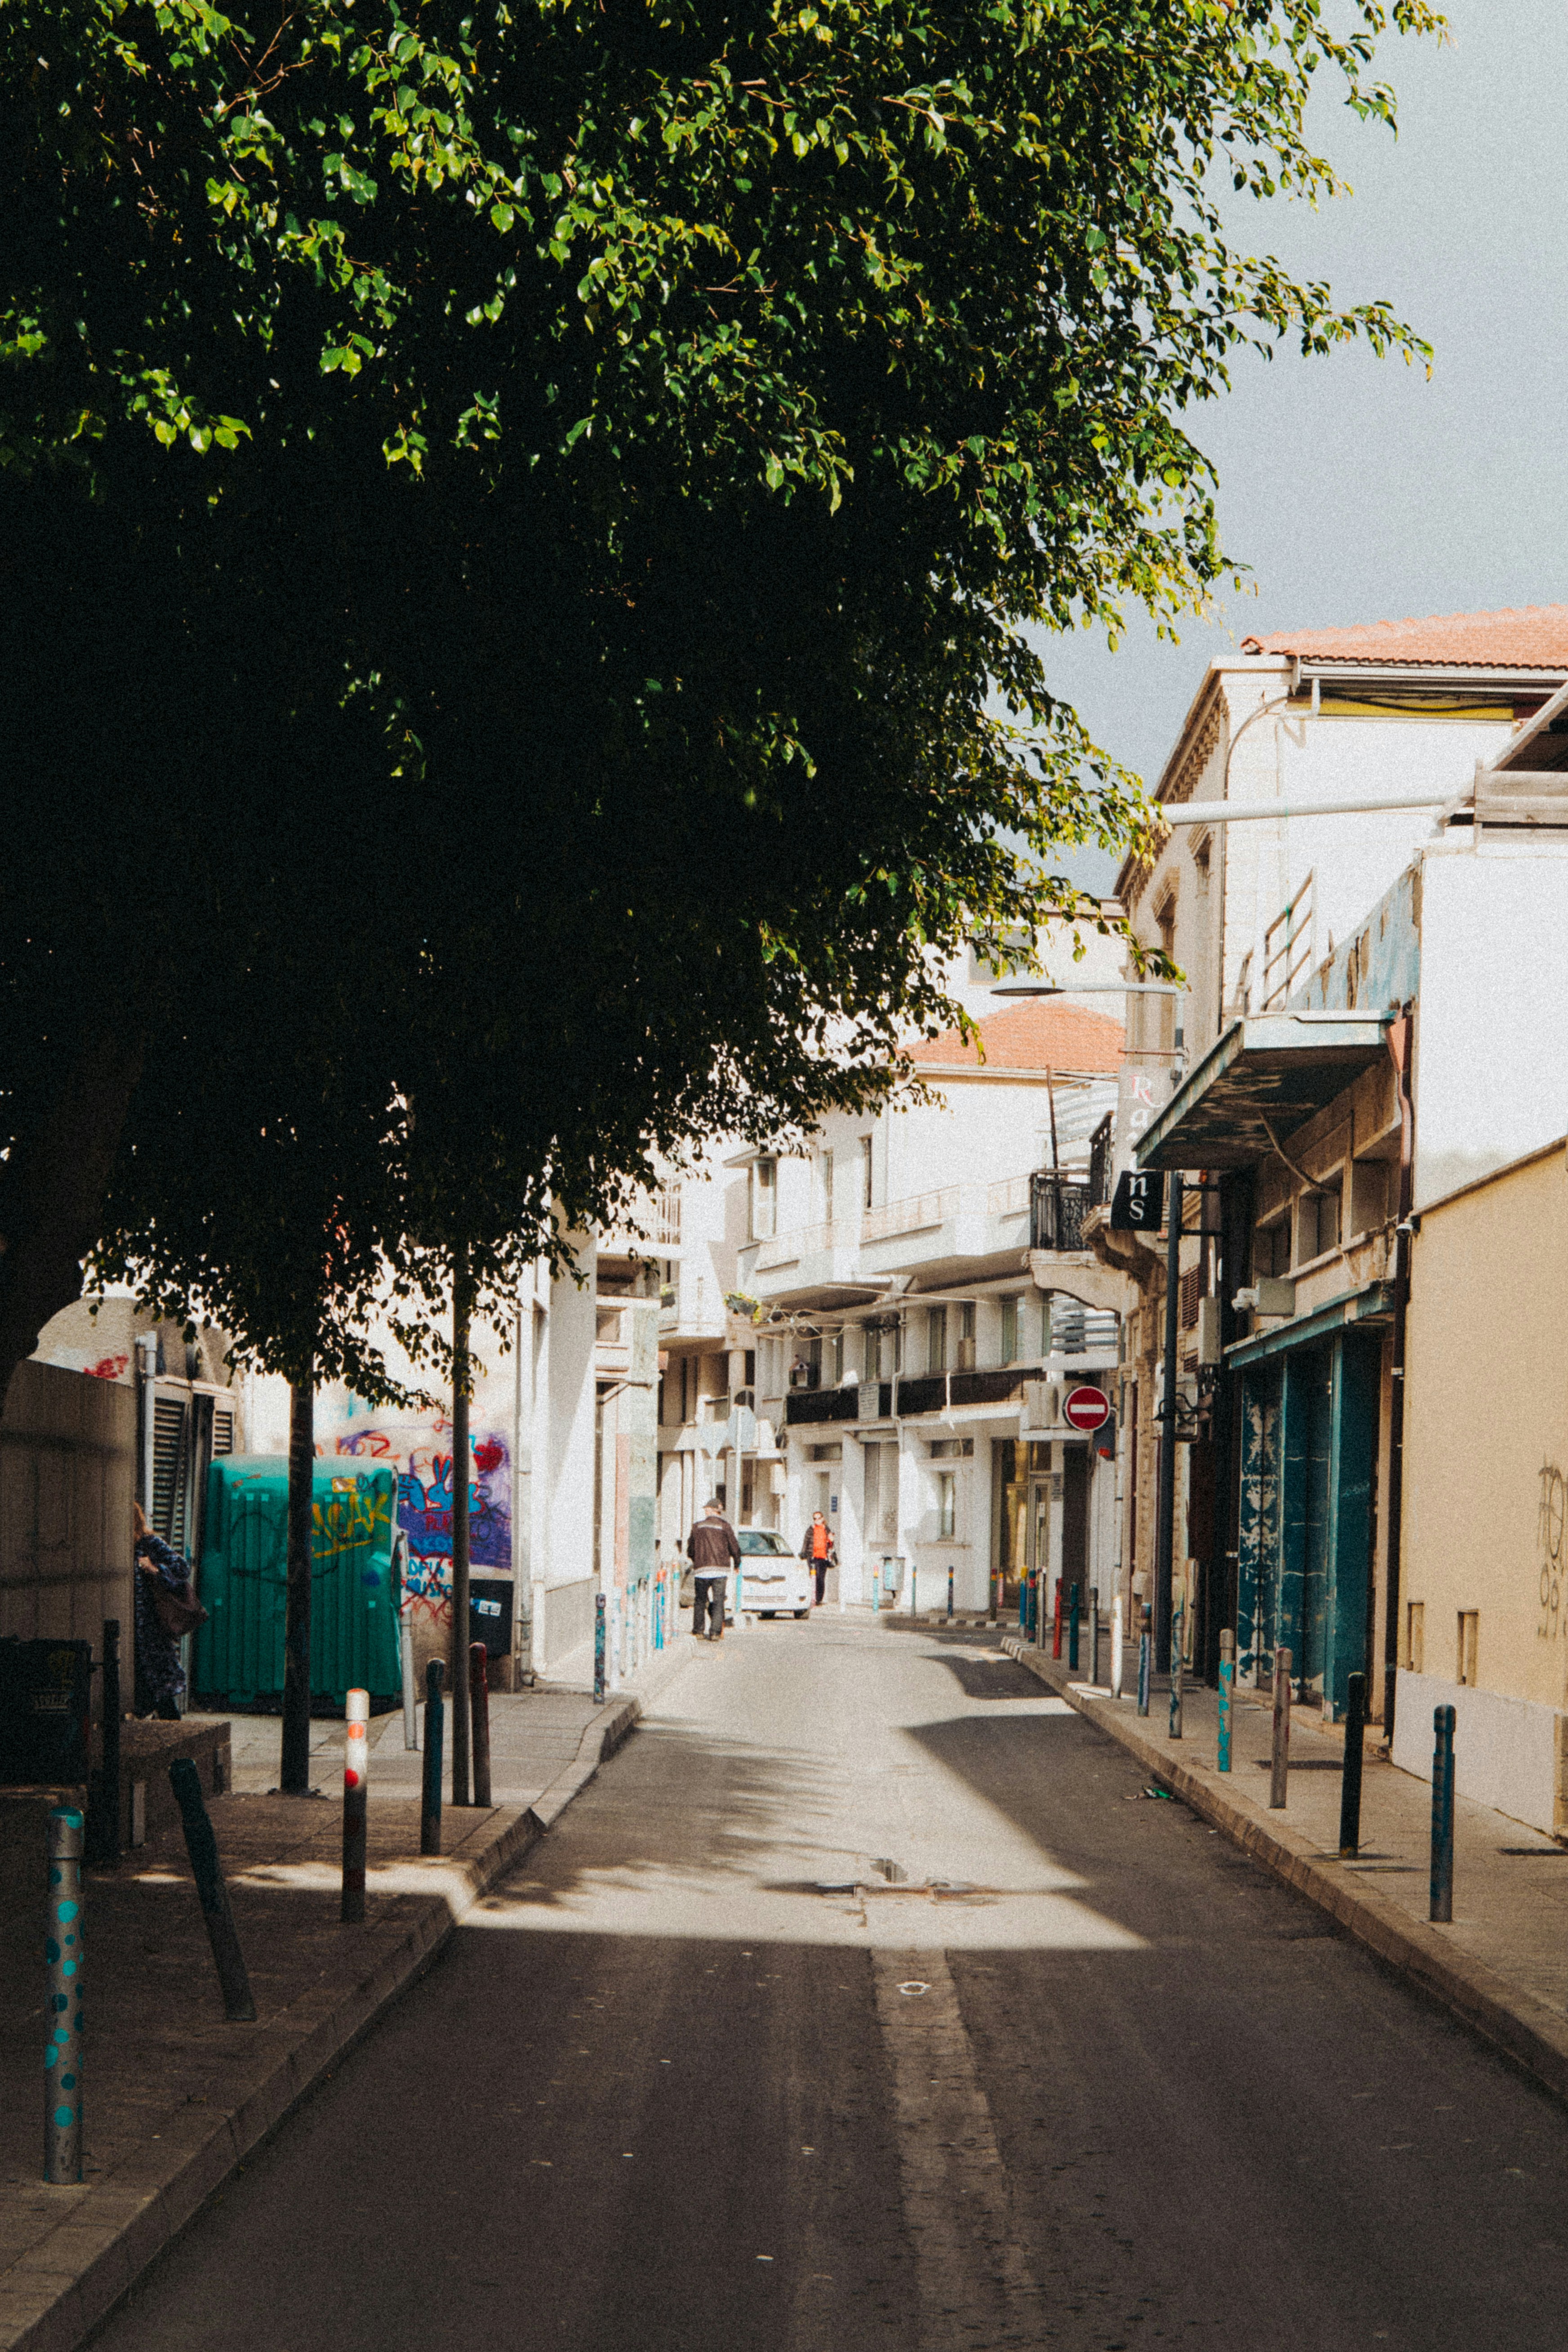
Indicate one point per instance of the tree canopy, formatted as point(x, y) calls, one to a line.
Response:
point(520, 528)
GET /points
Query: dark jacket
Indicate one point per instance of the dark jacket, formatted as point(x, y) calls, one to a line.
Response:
point(711, 1545)
point(805, 1550)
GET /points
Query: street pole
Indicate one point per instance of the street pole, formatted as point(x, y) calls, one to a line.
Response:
point(1165, 1530)
point(294, 1774)
point(459, 1674)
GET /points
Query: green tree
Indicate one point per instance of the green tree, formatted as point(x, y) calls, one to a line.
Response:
point(520, 528)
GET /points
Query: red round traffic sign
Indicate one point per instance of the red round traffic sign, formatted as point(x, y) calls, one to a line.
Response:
point(1086, 1408)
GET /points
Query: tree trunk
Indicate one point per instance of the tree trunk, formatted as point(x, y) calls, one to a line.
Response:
point(53, 1186)
point(460, 1614)
point(294, 1778)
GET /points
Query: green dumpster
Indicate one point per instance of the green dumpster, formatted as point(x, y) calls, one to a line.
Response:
point(243, 1583)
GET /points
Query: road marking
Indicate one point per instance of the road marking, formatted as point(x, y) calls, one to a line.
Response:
point(973, 2282)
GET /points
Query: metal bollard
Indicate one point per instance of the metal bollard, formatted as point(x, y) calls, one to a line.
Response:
point(914, 1575)
point(435, 1729)
point(1056, 1623)
point(103, 1810)
point(1227, 1692)
point(1094, 1635)
point(184, 1779)
point(356, 1794)
point(599, 1645)
point(1442, 1905)
point(1349, 1785)
point(410, 1710)
point(1178, 1642)
point(62, 2005)
point(1072, 1627)
point(950, 1592)
point(1116, 1647)
point(479, 1701)
point(1145, 1623)
point(1281, 1756)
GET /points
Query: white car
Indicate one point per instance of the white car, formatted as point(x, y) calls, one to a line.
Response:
point(774, 1582)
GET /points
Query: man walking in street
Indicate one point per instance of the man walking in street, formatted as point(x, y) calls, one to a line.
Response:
point(819, 1548)
point(713, 1549)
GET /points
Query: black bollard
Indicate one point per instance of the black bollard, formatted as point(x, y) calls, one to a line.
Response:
point(1145, 1621)
point(103, 1809)
point(479, 1704)
point(430, 1795)
point(201, 1846)
point(1442, 1906)
point(1094, 1635)
point(1350, 1787)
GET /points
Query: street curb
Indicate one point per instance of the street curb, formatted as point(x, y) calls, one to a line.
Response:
point(1533, 2036)
point(139, 2211)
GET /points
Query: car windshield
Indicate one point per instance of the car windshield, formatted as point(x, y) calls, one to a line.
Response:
point(755, 1539)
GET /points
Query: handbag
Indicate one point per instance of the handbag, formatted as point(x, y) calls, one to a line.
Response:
point(180, 1612)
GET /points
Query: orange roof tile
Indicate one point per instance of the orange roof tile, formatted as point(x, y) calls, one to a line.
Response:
point(1529, 636)
point(1038, 1032)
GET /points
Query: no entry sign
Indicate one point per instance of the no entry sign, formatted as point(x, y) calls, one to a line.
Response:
point(1086, 1408)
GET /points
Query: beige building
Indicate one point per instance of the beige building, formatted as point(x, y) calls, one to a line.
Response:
point(1484, 1604)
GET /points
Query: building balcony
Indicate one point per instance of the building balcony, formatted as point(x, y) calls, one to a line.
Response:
point(910, 1395)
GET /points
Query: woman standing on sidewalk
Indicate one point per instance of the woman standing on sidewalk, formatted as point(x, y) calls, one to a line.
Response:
point(163, 1594)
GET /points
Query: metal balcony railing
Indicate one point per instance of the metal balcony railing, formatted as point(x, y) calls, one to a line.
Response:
point(1056, 1211)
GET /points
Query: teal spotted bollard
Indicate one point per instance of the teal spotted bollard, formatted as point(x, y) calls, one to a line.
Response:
point(599, 1645)
point(62, 1956)
point(1226, 1695)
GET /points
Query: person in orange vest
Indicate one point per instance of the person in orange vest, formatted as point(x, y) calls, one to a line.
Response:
point(819, 1550)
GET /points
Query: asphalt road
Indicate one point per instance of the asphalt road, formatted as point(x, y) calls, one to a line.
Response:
point(1097, 2081)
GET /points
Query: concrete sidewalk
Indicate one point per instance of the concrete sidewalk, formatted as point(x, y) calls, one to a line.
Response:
point(175, 2098)
point(1502, 1965)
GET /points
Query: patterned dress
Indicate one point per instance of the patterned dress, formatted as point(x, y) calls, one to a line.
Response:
point(160, 1679)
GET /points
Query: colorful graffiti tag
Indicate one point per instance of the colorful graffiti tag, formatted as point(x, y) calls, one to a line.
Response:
point(421, 1452)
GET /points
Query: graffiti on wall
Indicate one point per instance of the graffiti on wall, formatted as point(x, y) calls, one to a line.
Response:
point(421, 1452)
point(1548, 1544)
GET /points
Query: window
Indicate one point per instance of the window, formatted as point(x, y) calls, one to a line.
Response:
point(751, 1368)
point(1368, 1195)
point(824, 1452)
point(965, 1359)
point(764, 1199)
point(826, 1163)
point(946, 1505)
point(1271, 1248)
point(1010, 1330)
point(1317, 1222)
point(944, 1449)
point(1415, 1636)
point(1469, 1630)
point(936, 1338)
point(865, 1171)
point(873, 1351)
point(834, 1356)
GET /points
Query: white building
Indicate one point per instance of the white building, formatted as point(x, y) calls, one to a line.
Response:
point(882, 1327)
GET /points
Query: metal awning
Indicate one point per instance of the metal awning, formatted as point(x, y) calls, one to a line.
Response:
point(1274, 1071)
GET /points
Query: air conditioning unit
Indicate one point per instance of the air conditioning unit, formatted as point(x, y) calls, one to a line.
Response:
point(964, 1361)
point(1042, 1412)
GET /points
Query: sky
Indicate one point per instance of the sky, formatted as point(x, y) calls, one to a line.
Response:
point(1355, 489)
